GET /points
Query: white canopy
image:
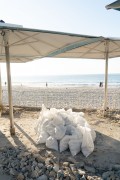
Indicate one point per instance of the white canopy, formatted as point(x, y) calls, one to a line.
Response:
point(18, 44)
point(28, 44)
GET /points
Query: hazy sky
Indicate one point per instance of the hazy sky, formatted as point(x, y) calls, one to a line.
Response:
point(73, 16)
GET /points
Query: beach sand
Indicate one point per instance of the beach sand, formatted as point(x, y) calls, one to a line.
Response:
point(107, 144)
point(63, 97)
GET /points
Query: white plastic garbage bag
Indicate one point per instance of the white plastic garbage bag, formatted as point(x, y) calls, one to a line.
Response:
point(68, 128)
point(64, 143)
point(58, 120)
point(50, 129)
point(87, 142)
point(93, 134)
point(52, 143)
point(74, 146)
point(60, 132)
point(42, 137)
point(81, 114)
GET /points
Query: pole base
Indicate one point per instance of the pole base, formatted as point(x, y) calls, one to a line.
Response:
point(104, 113)
point(12, 131)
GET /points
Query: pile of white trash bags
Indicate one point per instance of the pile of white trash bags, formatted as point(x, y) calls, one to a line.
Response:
point(60, 130)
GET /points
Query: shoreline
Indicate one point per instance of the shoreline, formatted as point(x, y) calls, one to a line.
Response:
point(60, 85)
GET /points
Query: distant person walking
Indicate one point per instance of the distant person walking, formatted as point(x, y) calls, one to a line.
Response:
point(5, 83)
point(101, 84)
point(46, 84)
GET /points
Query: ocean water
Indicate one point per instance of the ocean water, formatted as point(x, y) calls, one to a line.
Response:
point(66, 80)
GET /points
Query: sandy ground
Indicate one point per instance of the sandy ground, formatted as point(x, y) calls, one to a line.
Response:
point(63, 97)
point(107, 143)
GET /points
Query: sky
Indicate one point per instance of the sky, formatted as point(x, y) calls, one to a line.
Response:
point(72, 16)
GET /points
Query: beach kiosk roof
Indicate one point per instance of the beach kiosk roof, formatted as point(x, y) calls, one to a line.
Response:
point(19, 45)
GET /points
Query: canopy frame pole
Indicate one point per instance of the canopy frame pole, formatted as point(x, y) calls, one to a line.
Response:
point(12, 128)
point(106, 76)
point(1, 106)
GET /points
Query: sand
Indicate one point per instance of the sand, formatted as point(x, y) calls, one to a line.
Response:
point(107, 143)
point(63, 97)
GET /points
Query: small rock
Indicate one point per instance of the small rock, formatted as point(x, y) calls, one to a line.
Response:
point(56, 167)
point(20, 176)
point(66, 164)
point(112, 177)
point(13, 171)
point(93, 177)
point(39, 158)
point(80, 164)
point(49, 167)
point(89, 169)
point(26, 154)
point(43, 177)
point(77, 175)
point(48, 161)
point(118, 173)
point(116, 167)
point(60, 174)
point(47, 173)
point(52, 174)
point(55, 159)
point(23, 169)
point(107, 174)
point(35, 174)
point(83, 178)
point(71, 159)
point(48, 154)
point(73, 167)
point(40, 165)
point(81, 172)
point(34, 163)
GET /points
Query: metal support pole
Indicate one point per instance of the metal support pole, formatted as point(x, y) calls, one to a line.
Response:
point(106, 77)
point(12, 129)
point(1, 106)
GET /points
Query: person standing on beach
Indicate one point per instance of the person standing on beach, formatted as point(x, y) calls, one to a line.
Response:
point(46, 84)
point(101, 84)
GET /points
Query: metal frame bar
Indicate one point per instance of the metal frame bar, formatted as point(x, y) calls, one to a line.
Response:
point(73, 46)
point(0, 93)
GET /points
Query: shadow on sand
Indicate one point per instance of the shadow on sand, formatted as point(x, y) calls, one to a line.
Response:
point(4, 142)
point(105, 154)
point(25, 134)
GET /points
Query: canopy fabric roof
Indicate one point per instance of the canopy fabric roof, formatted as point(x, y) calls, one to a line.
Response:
point(27, 44)
point(115, 5)
point(95, 50)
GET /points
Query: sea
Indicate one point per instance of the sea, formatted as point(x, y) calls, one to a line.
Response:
point(65, 80)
